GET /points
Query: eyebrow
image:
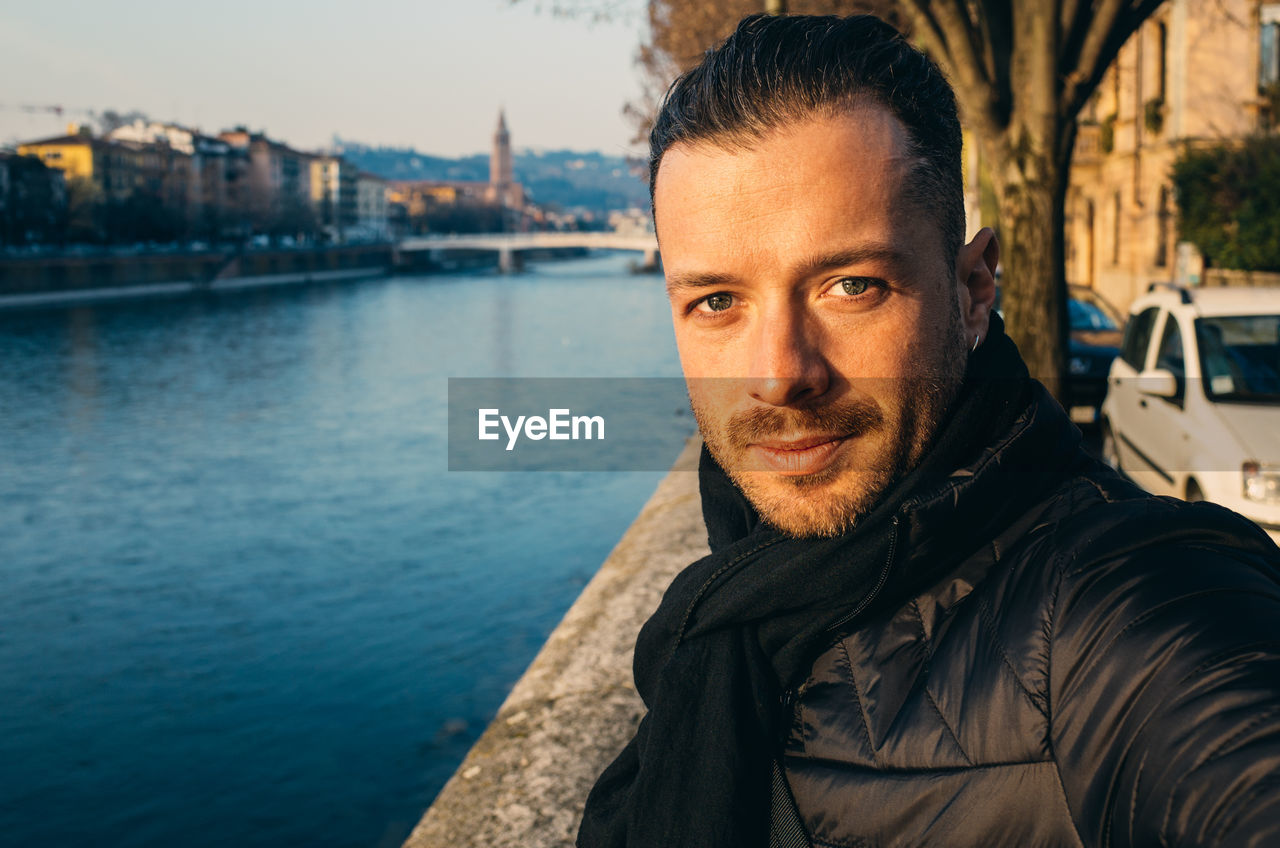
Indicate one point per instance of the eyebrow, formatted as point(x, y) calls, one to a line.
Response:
point(696, 280)
point(881, 253)
point(878, 253)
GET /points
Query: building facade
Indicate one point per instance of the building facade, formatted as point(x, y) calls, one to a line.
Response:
point(277, 184)
point(207, 174)
point(334, 195)
point(372, 207)
point(118, 190)
point(1197, 72)
point(108, 167)
point(33, 201)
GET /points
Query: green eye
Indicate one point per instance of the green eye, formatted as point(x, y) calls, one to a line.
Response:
point(854, 286)
point(718, 302)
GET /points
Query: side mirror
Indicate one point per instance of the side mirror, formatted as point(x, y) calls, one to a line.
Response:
point(1159, 382)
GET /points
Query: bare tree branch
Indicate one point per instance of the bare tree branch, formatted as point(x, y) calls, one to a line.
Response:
point(926, 27)
point(998, 20)
point(595, 11)
point(1101, 48)
point(1068, 16)
point(975, 28)
point(945, 30)
point(953, 19)
point(1073, 26)
point(1102, 19)
point(975, 13)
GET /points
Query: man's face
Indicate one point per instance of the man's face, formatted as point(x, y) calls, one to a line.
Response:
point(819, 325)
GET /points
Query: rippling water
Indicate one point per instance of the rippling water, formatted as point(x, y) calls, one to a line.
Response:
point(242, 602)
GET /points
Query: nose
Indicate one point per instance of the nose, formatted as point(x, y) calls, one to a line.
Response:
point(787, 365)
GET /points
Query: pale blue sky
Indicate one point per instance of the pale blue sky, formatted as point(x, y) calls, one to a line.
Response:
point(426, 73)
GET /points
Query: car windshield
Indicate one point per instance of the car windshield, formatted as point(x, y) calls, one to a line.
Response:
point(1086, 312)
point(1240, 357)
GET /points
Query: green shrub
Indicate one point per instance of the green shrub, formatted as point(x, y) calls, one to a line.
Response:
point(1229, 203)
point(1269, 94)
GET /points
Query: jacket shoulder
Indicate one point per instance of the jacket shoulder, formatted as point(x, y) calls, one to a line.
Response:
point(1165, 672)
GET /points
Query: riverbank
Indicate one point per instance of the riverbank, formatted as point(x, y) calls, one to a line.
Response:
point(29, 280)
point(524, 782)
point(54, 279)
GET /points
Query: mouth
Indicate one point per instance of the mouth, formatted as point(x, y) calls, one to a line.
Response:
point(797, 457)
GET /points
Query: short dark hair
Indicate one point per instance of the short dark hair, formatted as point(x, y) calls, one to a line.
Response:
point(777, 69)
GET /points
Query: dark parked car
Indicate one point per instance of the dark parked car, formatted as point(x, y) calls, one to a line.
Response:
point(1095, 340)
point(1096, 328)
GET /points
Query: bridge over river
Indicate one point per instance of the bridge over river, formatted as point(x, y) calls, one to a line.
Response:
point(509, 246)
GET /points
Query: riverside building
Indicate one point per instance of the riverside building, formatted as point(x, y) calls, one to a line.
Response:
point(1196, 73)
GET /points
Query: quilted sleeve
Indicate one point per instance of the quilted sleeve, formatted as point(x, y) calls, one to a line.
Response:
point(1165, 694)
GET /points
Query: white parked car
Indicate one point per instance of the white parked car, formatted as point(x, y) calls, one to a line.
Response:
point(1193, 400)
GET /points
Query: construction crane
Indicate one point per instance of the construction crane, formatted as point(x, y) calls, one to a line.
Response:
point(27, 107)
point(55, 111)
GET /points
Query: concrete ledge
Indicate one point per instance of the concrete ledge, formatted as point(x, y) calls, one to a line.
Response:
point(1240, 279)
point(525, 780)
point(181, 287)
point(95, 295)
point(298, 277)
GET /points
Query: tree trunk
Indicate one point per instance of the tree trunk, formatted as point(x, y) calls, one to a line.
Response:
point(1034, 302)
point(1030, 157)
point(1031, 192)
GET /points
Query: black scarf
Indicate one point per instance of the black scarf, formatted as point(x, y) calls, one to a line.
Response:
point(741, 627)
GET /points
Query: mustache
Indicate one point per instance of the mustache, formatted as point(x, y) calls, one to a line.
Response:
point(854, 417)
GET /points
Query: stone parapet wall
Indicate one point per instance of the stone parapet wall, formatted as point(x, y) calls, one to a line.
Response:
point(1238, 279)
point(75, 272)
point(524, 782)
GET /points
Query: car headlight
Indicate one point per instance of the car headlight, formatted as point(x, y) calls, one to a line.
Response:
point(1078, 365)
point(1261, 482)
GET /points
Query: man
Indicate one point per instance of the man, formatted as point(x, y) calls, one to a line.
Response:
point(928, 617)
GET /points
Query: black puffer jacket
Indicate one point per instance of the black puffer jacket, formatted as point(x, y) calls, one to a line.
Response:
point(1101, 668)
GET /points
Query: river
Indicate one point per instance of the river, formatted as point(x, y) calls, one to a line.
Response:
point(243, 602)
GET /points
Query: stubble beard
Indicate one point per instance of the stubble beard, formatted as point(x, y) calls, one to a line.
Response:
point(830, 502)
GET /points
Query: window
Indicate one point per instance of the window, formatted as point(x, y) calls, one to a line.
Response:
point(1137, 336)
point(1164, 219)
point(1115, 229)
point(1170, 355)
point(1162, 60)
point(1240, 357)
point(1269, 44)
point(1086, 311)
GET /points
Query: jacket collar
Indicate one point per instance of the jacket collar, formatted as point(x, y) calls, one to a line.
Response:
point(975, 501)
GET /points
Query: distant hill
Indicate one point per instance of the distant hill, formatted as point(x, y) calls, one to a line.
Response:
point(567, 179)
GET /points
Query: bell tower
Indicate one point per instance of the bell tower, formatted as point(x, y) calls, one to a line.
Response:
point(500, 170)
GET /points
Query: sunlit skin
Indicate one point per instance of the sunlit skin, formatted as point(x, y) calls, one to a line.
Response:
point(821, 330)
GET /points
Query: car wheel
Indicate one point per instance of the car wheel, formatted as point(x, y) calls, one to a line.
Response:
point(1110, 453)
point(1193, 492)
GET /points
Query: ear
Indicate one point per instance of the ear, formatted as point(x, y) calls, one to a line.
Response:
point(976, 282)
